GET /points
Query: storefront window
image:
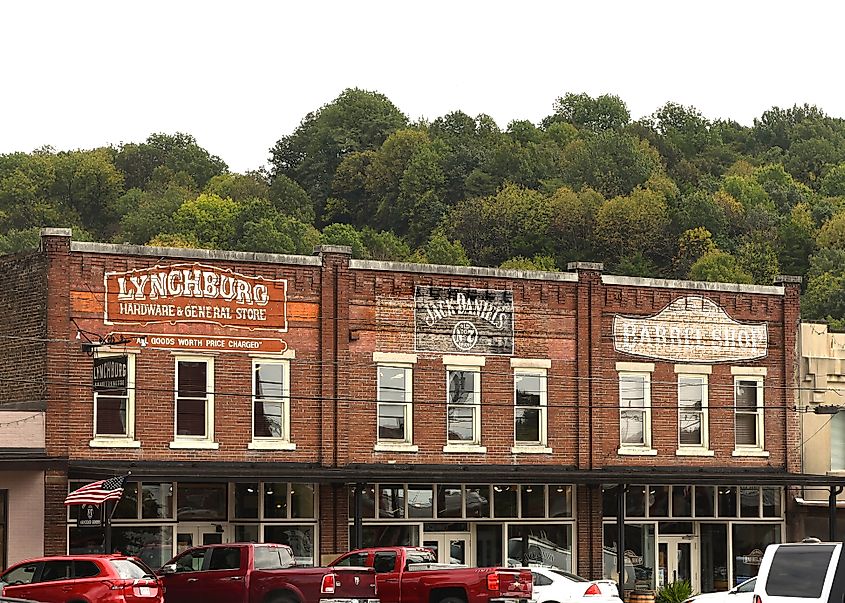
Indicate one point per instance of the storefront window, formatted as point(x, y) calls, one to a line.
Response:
point(749, 501)
point(157, 500)
point(772, 502)
point(635, 501)
point(639, 555)
point(246, 533)
point(420, 501)
point(153, 544)
point(302, 501)
point(368, 509)
point(391, 502)
point(533, 501)
point(488, 545)
point(504, 501)
point(560, 501)
point(727, 502)
point(610, 500)
point(127, 506)
point(714, 557)
point(658, 501)
point(299, 538)
point(200, 502)
point(449, 501)
point(749, 541)
point(4, 502)
point(477, 501)
point(390, 535)
point(704, 497)
point(549, 545)
point(681, 501)
point(246, 501)
point(85, 541)
point(276, 500)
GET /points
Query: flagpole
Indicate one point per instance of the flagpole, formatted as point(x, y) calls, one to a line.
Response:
point(107, 527)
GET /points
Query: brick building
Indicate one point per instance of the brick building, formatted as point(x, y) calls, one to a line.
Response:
point(492, 415)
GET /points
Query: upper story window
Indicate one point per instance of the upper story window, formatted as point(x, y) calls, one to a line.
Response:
point(395, 395)
point(194, 405)
point(748, 417)
point(837, 442)
point(270, 400)
point(464, 406)
point(114, 407)
point(530, 407)
point(635, 410)
point(692, 409)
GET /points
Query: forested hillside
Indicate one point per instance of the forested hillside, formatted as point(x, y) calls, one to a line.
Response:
point(671, 195)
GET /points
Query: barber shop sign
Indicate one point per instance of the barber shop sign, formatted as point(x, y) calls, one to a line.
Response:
point(462, 320)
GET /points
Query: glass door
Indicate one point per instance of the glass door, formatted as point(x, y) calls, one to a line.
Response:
point(452, 548)
point(677, 560)
point(189, 535)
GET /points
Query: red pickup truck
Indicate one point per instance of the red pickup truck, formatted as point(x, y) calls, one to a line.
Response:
point(412, 575)
point(260, 573)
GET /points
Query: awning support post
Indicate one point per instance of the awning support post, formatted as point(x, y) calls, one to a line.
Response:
point(357, 517)
point(620, 538)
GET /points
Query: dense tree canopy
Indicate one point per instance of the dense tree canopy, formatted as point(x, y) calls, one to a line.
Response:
point(671, 195)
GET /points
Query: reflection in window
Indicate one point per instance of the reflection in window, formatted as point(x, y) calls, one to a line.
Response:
point(246, 500)
point(749, 541)
point(276, 500)
point(299, 538)
point(704, 505)
point(658, 501)
point(157, 500)
point(533, 501)
point(153, 544)
point(639, 562)
point(504, 501)
point(394, 403)
point(682, 501)
point(549, 545)
point(301, 501)
point(635, 501)
point(389, 535)
point(391, 501)
point(420, 501)
point(198, 502)
point(529, 414)
point(560, 501)
point(477, 501)
point(449, 501)
point(727, 502)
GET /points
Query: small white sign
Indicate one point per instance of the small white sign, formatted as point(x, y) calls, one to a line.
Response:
point(690, 329)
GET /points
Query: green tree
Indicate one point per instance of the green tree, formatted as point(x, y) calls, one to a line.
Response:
point(384, 245)
point(440, 250)
point(144, 214)
point(824, 298)
point(209, 219)
point(544, 263)
point(692, 244)
point(757, 257)
point(833, 183)
point(89, 182)
point(605, 112)
point(634, 223)
point(573, 223)
point(345, 234)
point(290, 199)
point(796, 240)
point(832, 233)
point(719, 267)
point(178, 152)
point(238, 187)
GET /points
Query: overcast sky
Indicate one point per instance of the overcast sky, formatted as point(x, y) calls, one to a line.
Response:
point(238, 75)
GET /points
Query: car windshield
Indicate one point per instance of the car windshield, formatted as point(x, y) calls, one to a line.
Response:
point(569, 576)
point(129, 569)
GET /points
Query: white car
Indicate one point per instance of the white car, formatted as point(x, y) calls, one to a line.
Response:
point(741, 593)
point(552, 585)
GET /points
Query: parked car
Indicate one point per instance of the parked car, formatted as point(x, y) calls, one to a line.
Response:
point(412, 575)
point(91, 578)
point(260, 573)
point(551, 584)
point(805, 572)
point(741, 593)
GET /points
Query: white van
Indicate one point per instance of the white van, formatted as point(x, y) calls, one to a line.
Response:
point(805, 572)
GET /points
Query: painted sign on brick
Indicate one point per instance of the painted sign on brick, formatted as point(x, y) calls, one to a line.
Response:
point(463, 320)
point(690, 329)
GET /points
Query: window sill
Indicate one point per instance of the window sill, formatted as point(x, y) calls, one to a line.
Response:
point(469, 448)
point(398, 447)
point(194, 445)
point(693, 451)
point(537, 449)
point(641, 451)
point(750, 452)
point(114, 443)
point(269, 445)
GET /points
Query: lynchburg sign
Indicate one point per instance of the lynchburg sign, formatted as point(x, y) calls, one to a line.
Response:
point(690, 329)
point(195, 293)
point(469, 321)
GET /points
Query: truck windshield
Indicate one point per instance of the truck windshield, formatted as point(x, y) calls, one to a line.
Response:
point(272, 557)
point(799, 571)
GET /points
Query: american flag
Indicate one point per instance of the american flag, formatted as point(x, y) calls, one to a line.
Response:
point(98, 492)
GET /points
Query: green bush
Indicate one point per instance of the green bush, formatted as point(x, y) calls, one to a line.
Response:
point(674, 592)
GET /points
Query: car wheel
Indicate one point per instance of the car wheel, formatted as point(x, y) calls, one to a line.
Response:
point(452, 600)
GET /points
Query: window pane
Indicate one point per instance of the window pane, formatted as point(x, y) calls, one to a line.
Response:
point(772, 502)
point(201, 501)
point(690, 428)
point(477, 501)
point(632, 391)
point(681, 501)
point(153, 544)
point(704, 505)
point(549, 545)
point(690, 392)
point(157, 501)
point(658, 501)
point(111, 416)
point(799, 571)
point(609, 500)
point(462, 387)
point(391, 501)
point(192, 379)
point(269, 380)
point(749, 501)
point(635, 501)
point(631, 428)
point(837, 442)
point(392, 384)
point(533, 501)
point(391, 421)
point(276, 500)
point(714, 557)
point(749, 542)
point(190, 417)
point(302, 501)
point(746, 395)
point(640, 541)
point(504, 501)
point(527, 424)
point(488, 545)
point(746, 429)
point(246, 501)
point(268, 419)
point(420, 501)
point(529, 389)
point(461, 424)
point(246, 533)
point(390, 535)
point(560, 501)
point(368, 501)
point(449, 501)
point(127, 506)
point(727, 502)
point(299, 538)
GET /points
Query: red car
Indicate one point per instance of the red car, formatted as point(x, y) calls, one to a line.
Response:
point(82, 579)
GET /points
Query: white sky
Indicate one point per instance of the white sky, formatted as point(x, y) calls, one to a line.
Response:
point(238, 75)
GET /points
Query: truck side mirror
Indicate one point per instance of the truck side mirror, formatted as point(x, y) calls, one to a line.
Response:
point(170, 568)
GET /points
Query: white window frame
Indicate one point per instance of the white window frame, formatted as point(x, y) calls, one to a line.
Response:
point(758, 377)
point(640, 370)
point(473, 445)
point(273, 443)
point(126, 440)
point(700, 373)
point(408, 440)
point(195, 442)
point(519, 446)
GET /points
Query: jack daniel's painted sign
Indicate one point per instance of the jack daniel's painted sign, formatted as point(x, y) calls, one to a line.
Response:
point(464, 321)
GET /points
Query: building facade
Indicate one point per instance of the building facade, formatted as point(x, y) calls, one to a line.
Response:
point(495, 416)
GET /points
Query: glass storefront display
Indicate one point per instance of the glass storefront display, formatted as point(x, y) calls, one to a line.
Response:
point(714, 557)
point(748, 543)
point(549, 545)
point(299, 538)
point(639, 555)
